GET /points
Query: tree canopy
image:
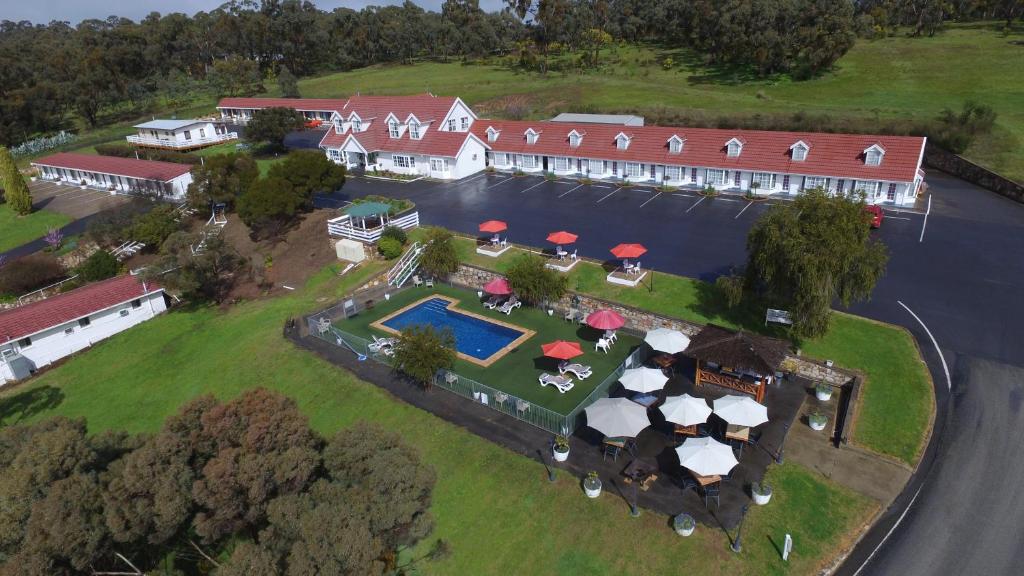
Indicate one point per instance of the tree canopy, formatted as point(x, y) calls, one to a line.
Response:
point(806, 254)
point(222, 178)
point(271, 125)
point(534, 282)
point(422, 351)
point(15, 191)
point(440, 257)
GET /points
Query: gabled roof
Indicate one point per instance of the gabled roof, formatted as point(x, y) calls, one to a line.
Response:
point(737, 140)
point(170, 124)
point(33, 318)
point(425, 107)
point(738, 350)
point(800, 143)
point(377, 139)
point(875, 146)
point(115, 165)
point(838, 155)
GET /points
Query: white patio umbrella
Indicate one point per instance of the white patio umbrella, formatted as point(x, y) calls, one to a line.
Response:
point(741, 410)
point(643, 379)
point(706, 456)
point(667, 341)
point(617, 417)
point(686, 410)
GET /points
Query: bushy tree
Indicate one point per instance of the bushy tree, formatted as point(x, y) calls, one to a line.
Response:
point(439, 258)
point(16, 192)
point(533, 282)
point(287, 83)
point(30, 273)
point(389, 248)
point(222, 178)
point(236, 76)
point(153, 227)
point(269, 205)
point(271, 125)
point(204, 276)
point(422, 351)
point(100, 265)
point(809, 253)
point(309, 172)
point(395, 232)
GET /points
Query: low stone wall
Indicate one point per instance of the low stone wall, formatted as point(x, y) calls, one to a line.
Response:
point(816, 371)
point(964, 169)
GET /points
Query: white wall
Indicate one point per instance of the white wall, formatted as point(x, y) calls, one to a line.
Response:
point(458, 112)
point(53, 344)
point(178, 186)
point(471, 160)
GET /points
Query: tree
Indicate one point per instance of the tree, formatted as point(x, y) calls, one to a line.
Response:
point(15, 190)
point(271, 125)
point(269, 205)
point(100, 265)
point(236, 76)
point(221, 179)
point(201, 276)
point(153, 227)
point(439, 258)
point(534, 282)
point(806, 254)
point(287, 83)
point(422, 351)
point(309, 172)
point(30, 272)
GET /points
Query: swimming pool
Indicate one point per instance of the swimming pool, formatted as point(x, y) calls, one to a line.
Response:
point(475, 337)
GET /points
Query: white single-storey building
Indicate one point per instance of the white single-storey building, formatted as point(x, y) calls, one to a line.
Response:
point(240, 110)
point(37, 334)
point(181, 134)
point(886, 168)
point(164, 180)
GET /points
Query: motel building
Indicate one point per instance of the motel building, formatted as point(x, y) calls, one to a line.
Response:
point(36, 335)
point(161, 180)
point(181, 134)
point(240, 110)
point(886, 168)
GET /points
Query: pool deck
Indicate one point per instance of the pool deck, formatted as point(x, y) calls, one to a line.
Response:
point(453, 307)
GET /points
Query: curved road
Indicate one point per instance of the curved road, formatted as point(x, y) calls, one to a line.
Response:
point(960, 271)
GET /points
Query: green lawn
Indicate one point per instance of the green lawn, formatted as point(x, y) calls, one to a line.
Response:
point(516, 373)
point(494, 507)
point(17, 230)
point(896, 399)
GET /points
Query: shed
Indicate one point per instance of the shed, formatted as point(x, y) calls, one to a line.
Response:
point(736, 360)
point(350, 250)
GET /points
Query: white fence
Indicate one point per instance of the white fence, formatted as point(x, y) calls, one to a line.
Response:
point(174, 143)
point(343, 227)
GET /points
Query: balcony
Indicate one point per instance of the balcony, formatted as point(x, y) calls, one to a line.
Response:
point(172, 144)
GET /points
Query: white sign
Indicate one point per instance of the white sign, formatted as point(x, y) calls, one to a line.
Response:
point(787, 547)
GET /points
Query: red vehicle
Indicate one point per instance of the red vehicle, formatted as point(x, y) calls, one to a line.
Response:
point(315, 123)
point(875, 215)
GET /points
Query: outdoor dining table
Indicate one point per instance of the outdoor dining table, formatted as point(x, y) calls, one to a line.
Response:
point(666, 362)
point(739, 433)
point(705, 480)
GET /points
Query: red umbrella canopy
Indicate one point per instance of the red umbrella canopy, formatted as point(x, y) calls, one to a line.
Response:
point(561, 349)
point(629, 250)
point(493, 226)
point(562, 237)
point(498, 286)
point(605, 320)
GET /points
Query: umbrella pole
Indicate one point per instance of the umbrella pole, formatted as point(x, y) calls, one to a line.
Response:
point(634, 509)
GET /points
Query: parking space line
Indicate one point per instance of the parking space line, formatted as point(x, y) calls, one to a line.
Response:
point(925, 222)
point(477, 177)
point(500, 182)
point(571, 190)
point(727, 199)
point(650, 199)
point(702, 198)
point(683, 195)
point(896, 218)
point(534, 186)
point(609, 194)
point(566, 182)
point(742, 211)
point(600, 186)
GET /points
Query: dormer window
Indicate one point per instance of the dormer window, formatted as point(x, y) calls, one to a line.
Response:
point(393, 129)
point(873, 155)
point(734, 147)
point(531, 136)
point(622, 141)
point(357, 125)
point(414, 130)
point(575, 139)
point(799, 151)
point(492, 134)
point(675, 145)
point(337, 125)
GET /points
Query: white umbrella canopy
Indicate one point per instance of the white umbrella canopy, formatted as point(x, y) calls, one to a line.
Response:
point(686, 410)
point(643, 379)
point(617, 417)
point(706, 456)
point(667, 341)
point(741, 410)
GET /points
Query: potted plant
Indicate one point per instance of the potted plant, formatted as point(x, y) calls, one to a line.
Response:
point(592, 485)
point(817, 420)
point(560, 450)
point(82, 183)
point(752, 193)
point(823, 391)
point(761, 492)
point(684, 524)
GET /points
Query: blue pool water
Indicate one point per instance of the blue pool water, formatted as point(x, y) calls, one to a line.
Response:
point(474, 337)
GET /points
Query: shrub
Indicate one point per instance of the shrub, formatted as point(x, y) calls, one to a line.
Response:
point(533, 281)
point(269, 204)
point(153, 227)
point(731, 289)
point(396, 233)
point(100, 266)
point(422, 351)
point(389, 248)
point(30, 273)
point(439, 258)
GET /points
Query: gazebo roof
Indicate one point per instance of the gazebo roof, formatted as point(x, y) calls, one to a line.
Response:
point(365, 209)
point(739, 350)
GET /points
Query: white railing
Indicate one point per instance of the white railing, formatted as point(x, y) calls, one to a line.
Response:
point(405, 266)
point(41, 293)
point(173, 143)
point(343, 227)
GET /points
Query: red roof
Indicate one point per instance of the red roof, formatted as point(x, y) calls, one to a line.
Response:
point(29, 319)
point(144, 169)
point(377, 139)
point(311, 104)
point(425, 107)
point(839, 155)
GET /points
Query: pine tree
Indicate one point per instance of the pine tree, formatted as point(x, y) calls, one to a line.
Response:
point(15, 190)
point(287, 83)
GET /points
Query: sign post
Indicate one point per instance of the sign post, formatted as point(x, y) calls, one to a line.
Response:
point(787, 547)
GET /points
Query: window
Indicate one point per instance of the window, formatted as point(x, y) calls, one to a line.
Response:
point(335, 154)
point(202, 132)
point(136, 303)
point(734, 149)
point(840, 184)
point(25, 342)
point(715, 177)
point(438, 165)
point(814, 182)
point(672, 173)
point(122, 313)
point(736, 180)
point(188, 135)
point(84, 322)
point(357, 125)
point(531, 137)
point(393, 129)
point(574, 140)
point(561, 164)
point(451, 124)
point(785, 182)
point(465, 123)
point(528, 161)
point(622, 142)
point(501, 159)
point(633, 170)
point(873, 157)
point(596, 166)
point(693, 174)
point(492, 135)
point(414, 131)
point(69, 331)
point(765, 180)
point(799, 153)
point(675, 146)
point(403, 161)
point(870, 189)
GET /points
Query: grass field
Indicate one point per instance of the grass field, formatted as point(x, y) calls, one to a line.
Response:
point(495, 508)
point(16, 230)
point(896, 400)
point(516, 373)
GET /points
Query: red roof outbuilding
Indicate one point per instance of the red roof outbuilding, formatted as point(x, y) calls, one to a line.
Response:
point(115, 165)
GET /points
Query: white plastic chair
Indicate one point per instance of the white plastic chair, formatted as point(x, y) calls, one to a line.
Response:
point(602, 344)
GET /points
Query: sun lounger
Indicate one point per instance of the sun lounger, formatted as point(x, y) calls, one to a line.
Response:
point(561, 383)
point(382, 344)
point(507, 307)
point(494, 301)
point(582, 371)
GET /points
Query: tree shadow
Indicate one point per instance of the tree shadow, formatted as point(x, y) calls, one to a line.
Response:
point(24, 405)
point(775, 545)
point(747, 315)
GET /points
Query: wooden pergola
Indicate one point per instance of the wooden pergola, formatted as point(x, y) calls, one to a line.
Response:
point(736, 360)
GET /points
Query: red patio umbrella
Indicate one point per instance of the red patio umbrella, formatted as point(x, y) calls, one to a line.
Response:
point(562, 349)
point(498, 286)
point(605, 320)
point(629, 250)
point(493, 226)
point(562, 237)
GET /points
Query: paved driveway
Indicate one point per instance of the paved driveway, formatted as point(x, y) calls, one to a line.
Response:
point(955, 280)
point(73, 200)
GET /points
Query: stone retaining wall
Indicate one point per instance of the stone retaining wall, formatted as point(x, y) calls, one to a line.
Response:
point(966, 170)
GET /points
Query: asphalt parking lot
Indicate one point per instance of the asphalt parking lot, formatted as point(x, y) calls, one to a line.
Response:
point(73, 200)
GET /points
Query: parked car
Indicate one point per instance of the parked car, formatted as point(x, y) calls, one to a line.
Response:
point(875, 215)
point(315, 123)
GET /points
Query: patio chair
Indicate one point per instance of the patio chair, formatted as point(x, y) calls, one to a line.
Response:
point(509, 305)
point(381, 344)
point(561, 383)
point(610, 336)
point(582, 371)
point(570, 315)
point(711, 492)
point(636, 268)
point(417, 281)
point(573, 255)
point(602, 344)
point(429, 282)
point(504, 242)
